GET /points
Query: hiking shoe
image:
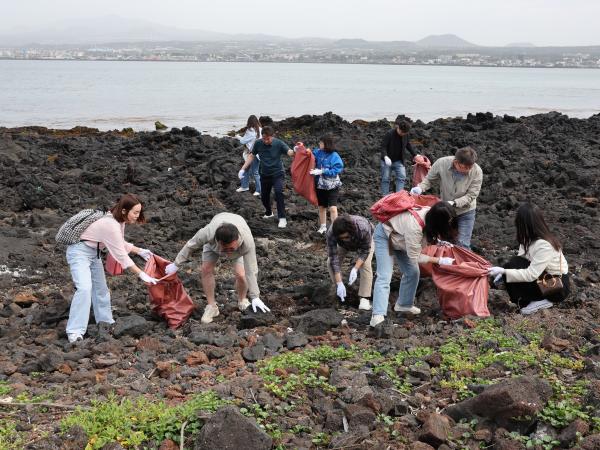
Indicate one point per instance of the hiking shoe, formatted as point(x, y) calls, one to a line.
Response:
point(376, 319)
point(210, 312)
point(407, 309)
point(268, 216)
point(282, 223)
point(241, 189)
point(536, 306)
point(74, 337)
point(243, 304)
point(365, 304)
point(256, 194)
point(322, 229)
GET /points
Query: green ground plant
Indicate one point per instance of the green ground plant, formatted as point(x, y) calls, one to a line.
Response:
point(10, 438)
point(131, 422)
point(4, 388)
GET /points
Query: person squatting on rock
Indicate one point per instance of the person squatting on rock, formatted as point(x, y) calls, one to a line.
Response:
point(251, 134)
point(269, 150)
point(328, 166)
point(226, 236)
point(351, 233)
point(402, 237)
point(395, 142)
point(87, 269)
point(540, 252)
point(460, 179)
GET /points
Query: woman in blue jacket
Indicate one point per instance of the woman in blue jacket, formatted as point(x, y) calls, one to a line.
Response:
point(328, 166)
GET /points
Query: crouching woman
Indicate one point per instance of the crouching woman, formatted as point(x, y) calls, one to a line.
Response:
point(87, 269)
point(538, 276)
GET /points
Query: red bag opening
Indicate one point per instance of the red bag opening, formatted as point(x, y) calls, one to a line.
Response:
point(168, 296)
point(426, 200)
point(420, 170)
point(112, 266)
point(463, 287)
point(303, 181)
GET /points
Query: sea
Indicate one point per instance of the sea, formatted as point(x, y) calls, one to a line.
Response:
point(218, 97)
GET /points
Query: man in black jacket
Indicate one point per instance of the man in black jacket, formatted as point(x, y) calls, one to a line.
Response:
point(395, 143)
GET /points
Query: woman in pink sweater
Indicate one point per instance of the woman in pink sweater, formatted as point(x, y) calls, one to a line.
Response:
point(87, 269)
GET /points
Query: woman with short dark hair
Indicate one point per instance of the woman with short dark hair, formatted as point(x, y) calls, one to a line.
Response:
point(540, 255)
point(87, 269)
point(328, 166)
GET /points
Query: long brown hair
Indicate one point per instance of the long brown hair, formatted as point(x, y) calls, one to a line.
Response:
point(531, 226)
point(253, 122)
point(126, 202)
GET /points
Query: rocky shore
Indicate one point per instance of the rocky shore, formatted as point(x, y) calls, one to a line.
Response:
point(310, 374)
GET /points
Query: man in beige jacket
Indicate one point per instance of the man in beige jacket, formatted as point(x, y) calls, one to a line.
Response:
point(226, 236)
point(460, 179)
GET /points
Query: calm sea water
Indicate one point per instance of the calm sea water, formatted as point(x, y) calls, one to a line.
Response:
point(217, 97)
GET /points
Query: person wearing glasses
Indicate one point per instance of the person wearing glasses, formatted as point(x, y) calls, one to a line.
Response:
point(351, 234)
point(460, 179)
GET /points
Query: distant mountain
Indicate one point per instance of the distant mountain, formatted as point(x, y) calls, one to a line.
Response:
point(444, 41)
point(111, 28)
point(520, 44)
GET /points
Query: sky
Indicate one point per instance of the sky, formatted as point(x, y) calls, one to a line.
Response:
point(483, 22)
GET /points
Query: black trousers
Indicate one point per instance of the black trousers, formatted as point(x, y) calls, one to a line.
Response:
point(266, 184)
point(524, 293)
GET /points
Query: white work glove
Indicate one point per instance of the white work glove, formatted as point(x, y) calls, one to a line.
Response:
point(316, 172)
point(445, 243)
point(145, 253)
point(147, 278)
point(353, 275)
point(418, 159)
point(341, 291)
point(257, 303)
point(171, 269)
point(446, 261)
point(496, 272)
point(388, 161)
point(452, 203)
point(241, 174)
point(416, 191)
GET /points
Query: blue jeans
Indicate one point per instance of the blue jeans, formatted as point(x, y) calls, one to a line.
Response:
point(385, 269)
point(386, 172)
point(87, 272)
point(465, 222)
point(252, 170)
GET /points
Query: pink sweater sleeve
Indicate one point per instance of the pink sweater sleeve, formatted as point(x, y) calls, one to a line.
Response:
point(109, 232)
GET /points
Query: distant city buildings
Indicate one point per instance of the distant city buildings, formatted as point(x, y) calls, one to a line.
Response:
point(311, 53)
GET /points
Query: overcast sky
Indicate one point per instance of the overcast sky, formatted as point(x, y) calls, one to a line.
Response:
point(484, 22)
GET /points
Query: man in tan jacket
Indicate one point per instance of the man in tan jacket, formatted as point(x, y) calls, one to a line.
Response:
point(460, 179)
point(226, 236)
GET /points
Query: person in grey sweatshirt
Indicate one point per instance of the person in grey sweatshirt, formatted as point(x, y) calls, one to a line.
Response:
point(226, 236)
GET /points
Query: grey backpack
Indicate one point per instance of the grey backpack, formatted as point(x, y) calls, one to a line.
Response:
point(70, 232)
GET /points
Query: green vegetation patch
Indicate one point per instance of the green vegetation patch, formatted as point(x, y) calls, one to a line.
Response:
point(131, 422)
point(10, 438)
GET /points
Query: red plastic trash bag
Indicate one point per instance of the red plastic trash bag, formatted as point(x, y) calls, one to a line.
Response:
point(168, 296)
point(393, 204)
point(463, 287)
point(420, 169)
point(303, 181)
point(426, 200)
point(112, 266)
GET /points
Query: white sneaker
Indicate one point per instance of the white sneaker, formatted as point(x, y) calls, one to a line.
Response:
point(256, 194)
point(210, 312)
point(243, 304)
point(241, 189)
point(536, 306)
point(74, 337)
point(282, 223)
point(268, 217)
point(365, 304)
point(409, 309)
point(376, 319)
point(322, 229)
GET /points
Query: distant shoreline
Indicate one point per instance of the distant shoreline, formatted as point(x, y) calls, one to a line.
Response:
point(299, 62)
